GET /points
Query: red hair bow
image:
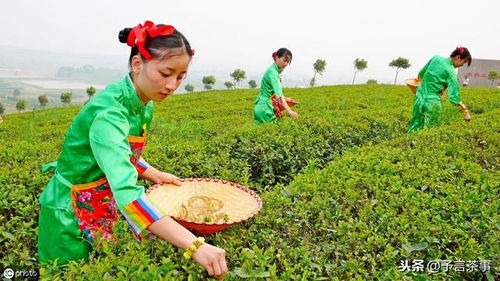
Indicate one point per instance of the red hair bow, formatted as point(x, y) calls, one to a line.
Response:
point(460, 50)
point(275, 54)
point(139, 34)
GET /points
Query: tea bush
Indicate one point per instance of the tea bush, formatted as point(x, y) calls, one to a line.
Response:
point(346, 194)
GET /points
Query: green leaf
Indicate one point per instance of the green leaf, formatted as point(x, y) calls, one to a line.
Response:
point(122, 269)
point(8, 235)
point(263, 274)
point(249, 274)
point(408, 247)
point(417, 247)
point(420, 246)
point(241, 273)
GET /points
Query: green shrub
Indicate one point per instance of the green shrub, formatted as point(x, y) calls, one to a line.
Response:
point(346, 193)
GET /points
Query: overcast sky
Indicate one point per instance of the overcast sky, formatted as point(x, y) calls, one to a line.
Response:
point(242, 34)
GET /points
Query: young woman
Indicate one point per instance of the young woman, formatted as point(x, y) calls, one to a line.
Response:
point(437, 75)
point(465, 83)
point(263, 110)
point(96, 175)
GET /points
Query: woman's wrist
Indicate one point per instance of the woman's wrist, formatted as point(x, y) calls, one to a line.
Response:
point(462, 106)
point(193, 247)
point(150, 174)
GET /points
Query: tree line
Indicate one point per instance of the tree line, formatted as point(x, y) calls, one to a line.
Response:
point(319, 67)
point(43, 100)
point(238, 75)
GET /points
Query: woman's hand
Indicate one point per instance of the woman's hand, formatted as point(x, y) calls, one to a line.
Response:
point(210, 257)
point(464, 109)
point(213, 259)
point(154, 175)
point(163, 177)
point(293, 114)
point(467, 116)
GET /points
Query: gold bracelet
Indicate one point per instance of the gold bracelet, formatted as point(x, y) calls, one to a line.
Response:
point(194, 247)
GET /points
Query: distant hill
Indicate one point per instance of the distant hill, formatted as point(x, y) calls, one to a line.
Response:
point(104, 69)
point(97, 69)
point(48, 61)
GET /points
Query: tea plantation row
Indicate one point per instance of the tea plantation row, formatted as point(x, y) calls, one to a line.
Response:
point(347, 195)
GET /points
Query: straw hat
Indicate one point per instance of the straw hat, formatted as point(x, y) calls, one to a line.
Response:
point(413, 84)
point(206, 206)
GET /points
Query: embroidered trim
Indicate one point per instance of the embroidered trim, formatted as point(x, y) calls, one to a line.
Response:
point(140, 214)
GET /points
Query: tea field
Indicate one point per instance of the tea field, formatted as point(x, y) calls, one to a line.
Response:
point(347, 194)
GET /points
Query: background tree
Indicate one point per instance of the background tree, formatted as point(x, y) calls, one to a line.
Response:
point(371, 81)
point(91, 92)
point(399, 64)
point(65, 71)
point(252, 84)
point(208, 81)
point(359, 65)
point(228, 84)
point(16, 92)
point(21, 105)
point(319, 67)
point(2, 108)
point(189, 88)
point(66, 97)
point(312, 83)
point(43, 100)
point(493, 75)
point(237, 76)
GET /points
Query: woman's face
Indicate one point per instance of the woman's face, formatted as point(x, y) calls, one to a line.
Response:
point(157, 79)
point(458, 62)
point(282, 62)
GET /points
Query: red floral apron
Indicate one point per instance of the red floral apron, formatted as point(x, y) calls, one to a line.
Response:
point(277, 106)
point(93, 203)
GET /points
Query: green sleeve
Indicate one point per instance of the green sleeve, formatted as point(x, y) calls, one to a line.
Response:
point(276, 84)
point(424, 69)
point(453, 90)
point(109, 143)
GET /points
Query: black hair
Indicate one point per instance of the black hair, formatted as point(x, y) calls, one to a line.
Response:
point(176, 43)
point(283, 52)
point(463, 53)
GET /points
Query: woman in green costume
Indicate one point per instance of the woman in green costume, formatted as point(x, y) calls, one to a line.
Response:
point(263, 111)
point(95, 180)
point(437, 75)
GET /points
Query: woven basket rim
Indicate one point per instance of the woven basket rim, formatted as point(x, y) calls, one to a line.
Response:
point(233, 184)
point(412, 82)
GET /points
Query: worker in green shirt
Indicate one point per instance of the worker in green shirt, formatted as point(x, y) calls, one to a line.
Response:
point(271, 84)
point(437, 75)
point(95, 179)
